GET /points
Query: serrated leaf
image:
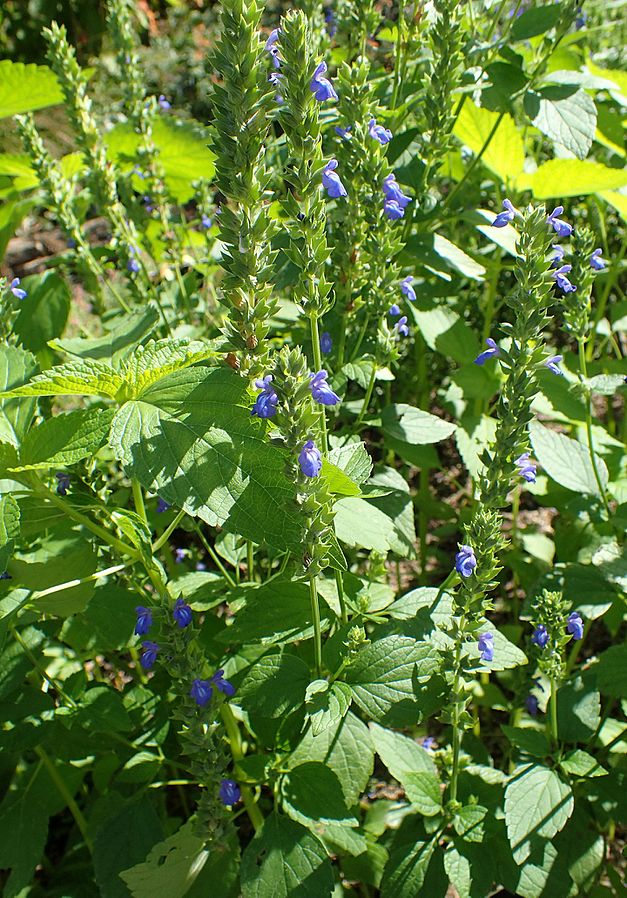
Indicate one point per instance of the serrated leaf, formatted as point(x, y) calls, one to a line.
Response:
point(274, 686)
point(468, 822)
point(406, 869)
point(529, 740)
point(9, 528)
point(65, 439)
point(24, 88)
point(579, 763)
point(326, 704)
point(566, 460)
point(423, 791)
point(606, 384)
point(150, 363)
point(346, 748)
point(338, 483)
point(179, 863)
point(578, 708)
point(312, 791)
point(128, 331)
point(564, 114)
point(611, 671)
point(184, 154)
point(384, 673)
point(123, 841)
point(16, 367)
point(84, 378)
point(537, 804)
point(505, 154)
point(44, 312)
point(191, 439)
point(400, 754)
point(571, 177)
point(458, 871)
point(354, 460)
point(285, 860)
point(413, 425)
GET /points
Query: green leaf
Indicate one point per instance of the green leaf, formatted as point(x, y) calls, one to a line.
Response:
point(566, 461)
point(580, 764)
point(406, 869)
point(571, 177)
point(413, 425)
point(326, 704)
point(423, 790)
point(383, 523)
point(535, 21)
point(277, 612)
point(9, 528)
point(431, 250)
point(400, 754)
point(274, 686)
point(16, 367)
point(123, 841)
point(182, 862)
point(127, 332)
point(184, 154)
point(192, 440)
point(564, 114)
point(354, 460)
point(578, 709)
point(150, 363)
point(44, 312)
point(537, 805)
point(468, 822)
point(505, 154)
point(102, 710)
point(66, 439)
point(606, 384)
point(384, 673)
point(285, 860)
point(312, 791)
point(24, 88)
point(529, 740)
point(338, 483)
point(346, 749)
point(446, 333)
point(47, 566)
point(611, 671)
point(458, 871)
point(84, 378)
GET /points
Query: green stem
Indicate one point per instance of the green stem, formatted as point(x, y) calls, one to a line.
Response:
point(593, 462)
point(553, 716)
point(315, 616)
point(138, 499)
point(422, 519)
point(235, 741)
point(340, 594)
point(457, 704)
point(43, 673)
point(214, 557)
point(398, 60)
point(317, 357)
point(70, 584)
point(167, 533)
point(360, 338)
point(250, 560)
point(59, 782)
point(367, 397)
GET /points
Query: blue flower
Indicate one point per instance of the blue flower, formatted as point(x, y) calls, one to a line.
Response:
point(465, 561)
point(378, 132)
point(310, 460)
point(485, 643)
point(182, 613)
point(326, 343)
point(561, 228)
point(272, 39)
point(5, 575)
point(562, 281)
point(179, 555)
point(148, 204)
point(429, 743)
point(266, 403)
point(575, 625)
point(149, 654)
point(223, 685)
point(229, 792)
point(394, 309)
point(343, 132)
point(552, 362)
point(393, 192)
point(16, 290)
point(596, 261)
point(526, 468)
point(393, 211)
point(540, 636)
point(331, 181)
point(488, 354)
point(201, 692)
point(556, 261)
point(163, 102)
point(320, 86)
point(582, 18)
point(329, 18)
point(531, 703)
point(407, 287)
point(144, 620)
point(401, 327)
point(63, 483)
point(205, 221)
point(275, 79)
point(132, 264)
point(504, 218)
point(321, 391)
point(162, 505)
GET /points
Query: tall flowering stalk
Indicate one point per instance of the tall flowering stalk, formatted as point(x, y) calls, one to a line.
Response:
point(477, 561)
point(241, 103)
